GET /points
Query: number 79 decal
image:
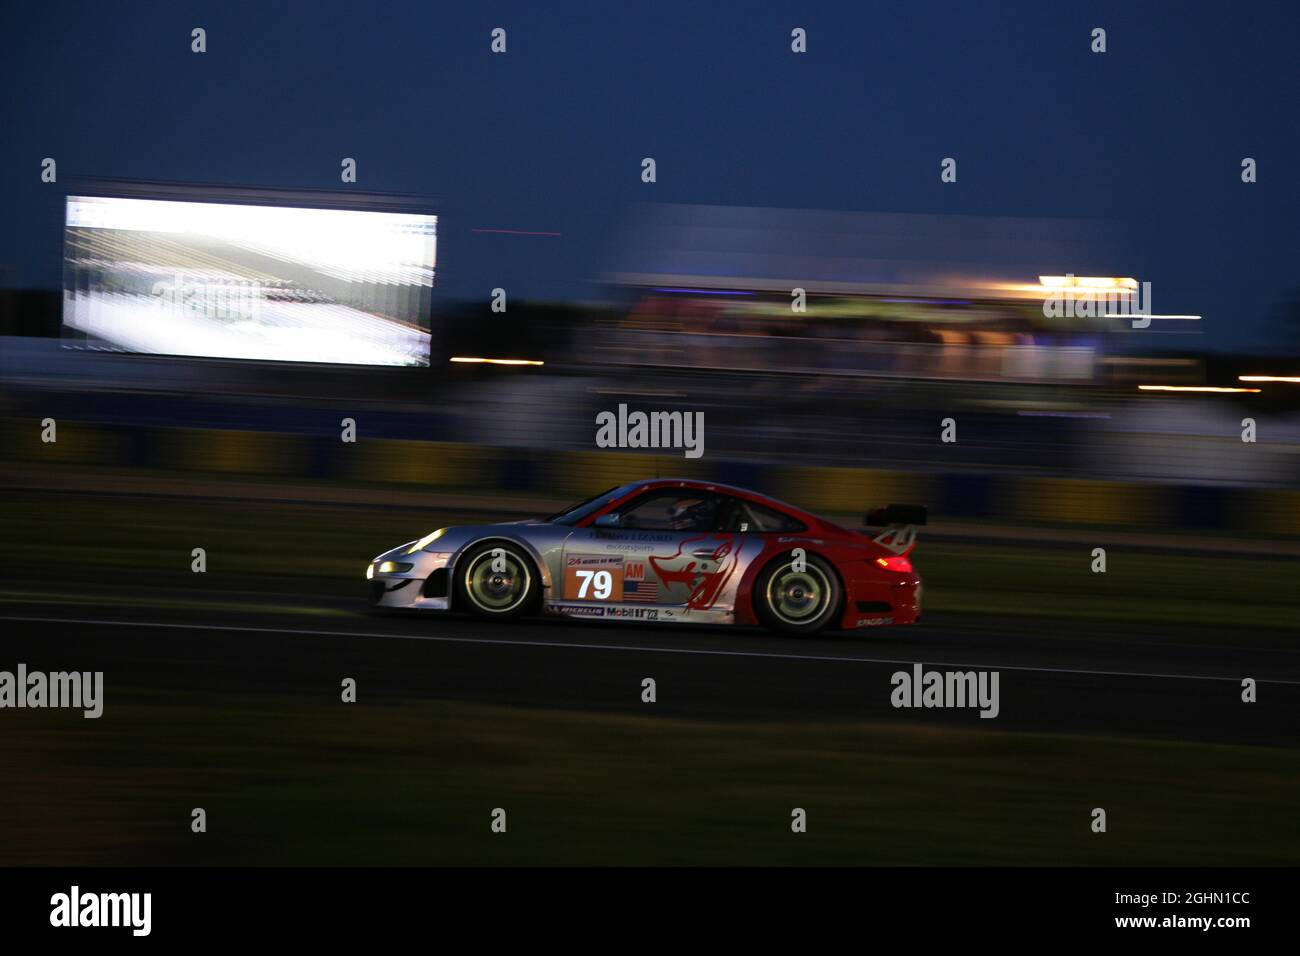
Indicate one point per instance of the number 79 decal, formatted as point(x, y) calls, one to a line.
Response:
point(600, 582)
point(586, 583)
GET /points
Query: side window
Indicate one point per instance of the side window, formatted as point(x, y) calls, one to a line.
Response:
point(736, 519)
point(748, 516)
point(679, 509)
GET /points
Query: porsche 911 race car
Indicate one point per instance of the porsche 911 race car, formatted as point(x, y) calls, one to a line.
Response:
point(666, 549)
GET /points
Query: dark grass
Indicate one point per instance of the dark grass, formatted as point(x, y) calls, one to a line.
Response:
point(315, 781)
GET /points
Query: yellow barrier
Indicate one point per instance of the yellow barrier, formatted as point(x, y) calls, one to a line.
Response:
point(435, 464)
point(587, 473)
point(577, 474)
point(850, 489)
point(234, 452)
point(1272, 512)
point(1079, 501)
point(76, 443)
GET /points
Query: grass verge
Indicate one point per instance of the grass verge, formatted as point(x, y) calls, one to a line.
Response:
point(301, 781)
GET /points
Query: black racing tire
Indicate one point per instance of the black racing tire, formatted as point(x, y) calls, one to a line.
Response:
point(800, 603)
point(509, 591)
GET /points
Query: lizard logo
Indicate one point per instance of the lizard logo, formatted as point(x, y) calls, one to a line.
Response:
point(705, 585)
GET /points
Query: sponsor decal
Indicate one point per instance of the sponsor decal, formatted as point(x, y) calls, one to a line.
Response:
point(705, 577)
point(642, 613)
point(602, 534)
point(580, 610)
point(873, 621)
point(600, 610)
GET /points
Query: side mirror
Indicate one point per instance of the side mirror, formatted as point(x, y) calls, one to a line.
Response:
point(609, 520)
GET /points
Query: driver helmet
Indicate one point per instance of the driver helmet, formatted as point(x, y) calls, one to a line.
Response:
point(686, 514)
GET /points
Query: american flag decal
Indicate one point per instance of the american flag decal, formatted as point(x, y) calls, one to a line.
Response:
point(644, 592)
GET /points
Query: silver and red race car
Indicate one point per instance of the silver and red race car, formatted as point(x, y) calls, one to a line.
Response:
point(666, 549)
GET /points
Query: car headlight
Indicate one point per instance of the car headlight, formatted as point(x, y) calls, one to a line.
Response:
point(426, 541)
point(394, 567)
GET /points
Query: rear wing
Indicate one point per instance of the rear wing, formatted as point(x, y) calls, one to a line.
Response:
point(900, 523)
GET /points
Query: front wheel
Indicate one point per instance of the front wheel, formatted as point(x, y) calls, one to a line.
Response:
point(797, 598)
point(496, 581)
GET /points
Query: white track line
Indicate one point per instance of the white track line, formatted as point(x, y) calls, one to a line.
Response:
point(632, 647)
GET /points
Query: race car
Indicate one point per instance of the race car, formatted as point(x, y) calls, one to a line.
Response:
point(666, 549)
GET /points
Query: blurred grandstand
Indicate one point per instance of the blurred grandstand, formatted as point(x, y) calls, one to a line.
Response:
point(909, 320)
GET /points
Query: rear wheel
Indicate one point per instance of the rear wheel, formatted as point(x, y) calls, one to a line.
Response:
point(797, 598)
point(496, 581)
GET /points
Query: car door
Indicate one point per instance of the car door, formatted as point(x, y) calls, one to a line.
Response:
point(661, 552)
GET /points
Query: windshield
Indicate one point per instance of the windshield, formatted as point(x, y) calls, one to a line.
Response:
point(582, 509)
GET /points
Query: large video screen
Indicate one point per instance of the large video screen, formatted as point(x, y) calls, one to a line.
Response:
point(248, 281)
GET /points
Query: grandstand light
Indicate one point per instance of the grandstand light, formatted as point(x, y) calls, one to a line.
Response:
point(1090, 283)
point(1193, 388)
point(473, 360)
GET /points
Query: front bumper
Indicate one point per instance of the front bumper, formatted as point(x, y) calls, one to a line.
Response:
point(424, 585)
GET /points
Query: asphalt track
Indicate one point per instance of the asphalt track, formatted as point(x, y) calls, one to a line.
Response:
point(1097, 679)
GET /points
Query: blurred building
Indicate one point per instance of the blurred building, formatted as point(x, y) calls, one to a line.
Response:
point(915, 296)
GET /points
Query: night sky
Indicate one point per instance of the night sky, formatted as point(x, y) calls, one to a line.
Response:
point(550, 136)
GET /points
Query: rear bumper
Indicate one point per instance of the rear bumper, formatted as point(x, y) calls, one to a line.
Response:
point(880, 603)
